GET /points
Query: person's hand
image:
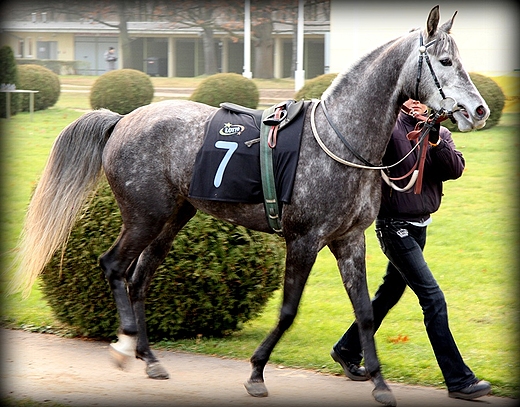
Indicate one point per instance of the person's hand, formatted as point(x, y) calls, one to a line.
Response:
point(433, 136)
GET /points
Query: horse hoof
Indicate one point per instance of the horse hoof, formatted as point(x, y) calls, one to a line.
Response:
point(156, 371)
point(256, 389)
point(125, 345)
point(119, 359)
point(384, 397)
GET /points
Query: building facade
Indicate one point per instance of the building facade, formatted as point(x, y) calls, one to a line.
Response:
point(158, 48)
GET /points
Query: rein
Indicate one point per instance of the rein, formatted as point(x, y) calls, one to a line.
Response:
point(419, 134)
point(343, 139)
point(315, 104)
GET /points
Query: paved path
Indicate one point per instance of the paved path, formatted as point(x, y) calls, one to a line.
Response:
point(79, 373)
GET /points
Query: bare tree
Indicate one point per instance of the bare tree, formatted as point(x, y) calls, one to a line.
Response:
point(266, 14)
point(192, 13)
point(208, 15)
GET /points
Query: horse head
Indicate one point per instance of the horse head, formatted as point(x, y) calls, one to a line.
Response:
point(442, 81)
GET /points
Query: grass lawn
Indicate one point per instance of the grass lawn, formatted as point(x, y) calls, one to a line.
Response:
point(471, 250)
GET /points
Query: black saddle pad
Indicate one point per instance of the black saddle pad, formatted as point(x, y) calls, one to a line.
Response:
point(227, 167)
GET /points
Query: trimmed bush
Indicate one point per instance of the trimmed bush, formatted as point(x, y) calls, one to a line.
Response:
point(227, 87)
point(314, 87)
point(57, 66)
point(492, 94)
point(46, 82)
point(216, 277)
point(121, 91)
point(8, 76)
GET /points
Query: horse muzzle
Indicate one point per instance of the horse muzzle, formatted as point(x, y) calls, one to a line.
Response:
point(468, 120)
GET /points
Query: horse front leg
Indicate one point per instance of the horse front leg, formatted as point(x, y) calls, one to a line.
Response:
point(299, 260)
point(350, 255)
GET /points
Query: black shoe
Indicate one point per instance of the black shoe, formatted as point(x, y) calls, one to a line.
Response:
point(353, 371)
point(477, 389)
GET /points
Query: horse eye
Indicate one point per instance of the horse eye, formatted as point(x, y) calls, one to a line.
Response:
point(445, 62)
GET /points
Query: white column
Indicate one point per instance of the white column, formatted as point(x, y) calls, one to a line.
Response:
point(247, 40)
point(225, 55)
point(171, 57)
point(278, 57)
point(326, 61)
point(299, 74)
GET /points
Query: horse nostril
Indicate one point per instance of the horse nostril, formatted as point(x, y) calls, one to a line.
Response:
point(481, 111)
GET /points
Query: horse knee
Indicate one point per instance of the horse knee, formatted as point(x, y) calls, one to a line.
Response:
point(364, 317)
point(287, 316)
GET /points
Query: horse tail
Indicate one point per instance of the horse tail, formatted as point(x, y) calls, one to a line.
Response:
point(71, 173)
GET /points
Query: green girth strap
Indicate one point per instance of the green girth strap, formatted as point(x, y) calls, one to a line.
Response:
point(266, 170)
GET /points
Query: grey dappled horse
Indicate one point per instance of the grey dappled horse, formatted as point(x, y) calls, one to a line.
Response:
point(148, 157)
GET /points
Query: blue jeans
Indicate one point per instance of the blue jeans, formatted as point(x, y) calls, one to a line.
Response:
point(403, 244)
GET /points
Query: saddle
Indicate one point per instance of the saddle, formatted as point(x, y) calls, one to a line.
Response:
point(290, 107)
point(245, 159)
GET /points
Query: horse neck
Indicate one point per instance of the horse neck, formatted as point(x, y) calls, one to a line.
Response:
point(365, 101)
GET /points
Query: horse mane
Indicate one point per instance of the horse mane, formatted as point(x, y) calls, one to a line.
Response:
point(362, 72)
point(445, 44)
point(359, 68)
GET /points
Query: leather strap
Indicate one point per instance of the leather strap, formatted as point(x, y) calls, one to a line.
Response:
point(267, 143)
point(421, 135)
point(345, 142)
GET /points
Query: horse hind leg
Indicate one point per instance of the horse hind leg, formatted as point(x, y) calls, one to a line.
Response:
point(350, 255)
point(139, 283)
point(117, 263)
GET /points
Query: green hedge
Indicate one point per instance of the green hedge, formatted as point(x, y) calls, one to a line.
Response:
point(46, 82)
point(8, 76)
point(121, 91)
point(216, 277)
point(314, 87)
point(57, 66)
point(227, 87)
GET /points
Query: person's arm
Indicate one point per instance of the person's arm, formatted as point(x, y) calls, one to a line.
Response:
point(446, 160)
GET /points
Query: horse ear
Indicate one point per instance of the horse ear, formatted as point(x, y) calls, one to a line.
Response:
point(447, 25)
point(433, 21)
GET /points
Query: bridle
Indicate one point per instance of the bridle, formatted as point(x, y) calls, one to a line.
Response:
point(435, 117)
point(423, 54)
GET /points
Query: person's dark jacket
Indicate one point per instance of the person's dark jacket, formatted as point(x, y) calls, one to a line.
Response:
point(443, 162)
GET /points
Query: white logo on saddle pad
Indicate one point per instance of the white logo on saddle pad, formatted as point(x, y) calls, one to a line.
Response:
point(231, 129)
